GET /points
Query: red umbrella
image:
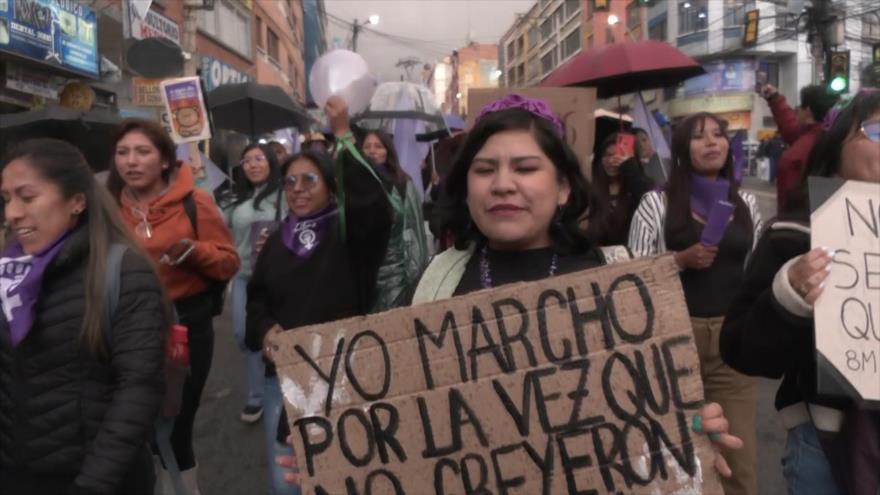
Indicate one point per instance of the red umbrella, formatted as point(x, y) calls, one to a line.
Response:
point(623, 68)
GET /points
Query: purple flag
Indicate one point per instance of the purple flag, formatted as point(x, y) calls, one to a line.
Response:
point(716, 224)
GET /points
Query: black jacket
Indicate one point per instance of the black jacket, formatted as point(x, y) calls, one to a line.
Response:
point(760, 336)
point(69, 418)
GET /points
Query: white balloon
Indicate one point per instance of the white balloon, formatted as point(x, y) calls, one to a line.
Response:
point(343, 73)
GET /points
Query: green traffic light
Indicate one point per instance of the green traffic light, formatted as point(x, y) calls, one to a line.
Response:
point(838, 84)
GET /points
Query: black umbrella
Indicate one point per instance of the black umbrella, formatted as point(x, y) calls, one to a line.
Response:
point(91, 132)
point(255, 109)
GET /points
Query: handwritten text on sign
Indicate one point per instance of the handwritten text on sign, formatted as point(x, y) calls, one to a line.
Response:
point(848, 311)
point(583, 383)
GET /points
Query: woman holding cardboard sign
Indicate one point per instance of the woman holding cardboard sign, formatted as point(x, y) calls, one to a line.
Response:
point(770, 330)
point(322, 263)
point(712, 254)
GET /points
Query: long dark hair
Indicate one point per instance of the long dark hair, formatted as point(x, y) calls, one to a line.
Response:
point(322, 162)
point(678, 189)
point(824, 159)
point(566, 232)
point(244, 189)
point(62, 164)
point(160, 139)
point(398, 176)
point(607, 223)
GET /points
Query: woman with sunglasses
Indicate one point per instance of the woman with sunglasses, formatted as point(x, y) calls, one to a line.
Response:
point(320, 265)
point(769, 329)
point(252, 210)
point(193, 255)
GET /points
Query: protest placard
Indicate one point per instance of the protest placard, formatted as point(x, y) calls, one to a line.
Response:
point(145, 92)
point(186, 107)
point(846, 218)
point(583, 383)
point(573, 106)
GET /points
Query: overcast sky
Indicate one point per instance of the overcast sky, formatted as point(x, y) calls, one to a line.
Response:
point(427, 30)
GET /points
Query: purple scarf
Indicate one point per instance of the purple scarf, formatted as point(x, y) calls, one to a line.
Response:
point(21, 276)
point(302, 235)
point(705, 193)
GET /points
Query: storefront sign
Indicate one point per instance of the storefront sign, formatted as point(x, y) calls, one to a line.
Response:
point(583, 383)
point(737, 120)
point(152, 25)
point(216, 73)
point(145, 92)
point(62, 33)
point(723, 76)
point(30, 81)
point(681, 107)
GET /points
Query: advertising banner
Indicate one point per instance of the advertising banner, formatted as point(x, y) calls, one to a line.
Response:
point(62, 33)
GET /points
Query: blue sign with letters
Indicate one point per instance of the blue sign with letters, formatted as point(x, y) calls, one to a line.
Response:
point(216, 73)
point(62, 33)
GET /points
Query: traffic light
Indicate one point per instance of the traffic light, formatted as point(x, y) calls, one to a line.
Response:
point(837, 71)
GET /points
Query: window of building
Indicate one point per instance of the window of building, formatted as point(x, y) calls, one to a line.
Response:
point(633, 15)
point(521, 73)
point(521, 45)
point(590, 41)
point(571, 8)
point(533, 37)
point(591, 7)
point(658, 31)
point(560, 16)
point(546, 29)
point(260, 32)
point(533, 69)
point(510, 47)
point(291, 71)
point(229, 25)
point(609, 36)
point(272, 43)
point(692, 16)
point(548, 61)
point(511, 77)
point(871, 27)
point(735, 12)
point(572, 43)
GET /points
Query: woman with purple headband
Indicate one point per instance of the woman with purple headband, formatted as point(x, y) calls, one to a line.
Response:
point(833, 446)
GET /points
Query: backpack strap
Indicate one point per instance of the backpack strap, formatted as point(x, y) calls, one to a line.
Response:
point(115, 252)
point(189, 207)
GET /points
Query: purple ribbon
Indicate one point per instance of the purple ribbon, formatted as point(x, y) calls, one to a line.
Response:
point(302, 235)
point(21, 276)
point(705, 193)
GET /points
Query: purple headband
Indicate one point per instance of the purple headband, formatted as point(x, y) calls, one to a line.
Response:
point(534, 106)
point(831, 116)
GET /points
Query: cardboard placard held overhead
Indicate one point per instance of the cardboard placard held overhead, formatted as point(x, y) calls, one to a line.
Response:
point(185, 105)
point(573, 106)
point(846, 218)
point(580, 382)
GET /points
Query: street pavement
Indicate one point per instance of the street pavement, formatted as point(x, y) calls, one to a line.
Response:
point(231, 454)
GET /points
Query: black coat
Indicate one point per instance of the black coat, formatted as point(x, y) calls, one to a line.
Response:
point(71, 421)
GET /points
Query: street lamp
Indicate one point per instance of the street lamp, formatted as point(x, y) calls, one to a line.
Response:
point(613, 19)
point(356, 29)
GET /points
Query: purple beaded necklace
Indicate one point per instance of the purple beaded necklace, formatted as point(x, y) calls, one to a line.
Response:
point(486, 276)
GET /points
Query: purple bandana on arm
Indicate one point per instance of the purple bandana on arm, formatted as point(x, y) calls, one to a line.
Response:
point(705, 193)
point(302, 235)
point(21, 276)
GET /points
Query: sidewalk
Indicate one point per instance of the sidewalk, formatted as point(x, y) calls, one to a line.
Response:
point(759, 187)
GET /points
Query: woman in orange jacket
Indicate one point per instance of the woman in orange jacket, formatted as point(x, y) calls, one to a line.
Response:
point(181, 229)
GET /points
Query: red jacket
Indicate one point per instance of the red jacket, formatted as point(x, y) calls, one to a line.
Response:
point(799, 141)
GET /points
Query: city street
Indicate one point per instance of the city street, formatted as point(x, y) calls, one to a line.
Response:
point(231, 454)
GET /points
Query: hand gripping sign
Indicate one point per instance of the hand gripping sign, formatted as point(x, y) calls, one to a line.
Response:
point(846, 218)
point(583, 383)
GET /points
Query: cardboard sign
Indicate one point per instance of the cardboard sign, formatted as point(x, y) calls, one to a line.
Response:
point(847, 313)
point(582, 383)
point(186, 106)
point(145, 92)
point(573, 106)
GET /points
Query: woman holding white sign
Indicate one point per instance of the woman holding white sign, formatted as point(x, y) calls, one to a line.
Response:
point(712, 257)
point(770, 328)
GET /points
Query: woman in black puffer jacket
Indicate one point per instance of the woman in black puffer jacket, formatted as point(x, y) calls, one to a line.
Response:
point(75, 415)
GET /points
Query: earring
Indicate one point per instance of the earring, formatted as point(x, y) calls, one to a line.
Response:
point(77, 211)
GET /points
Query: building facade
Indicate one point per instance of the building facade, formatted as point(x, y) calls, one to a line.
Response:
point(553, 31)
point(279, 42)
point(315, 36)
point(473, 66)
